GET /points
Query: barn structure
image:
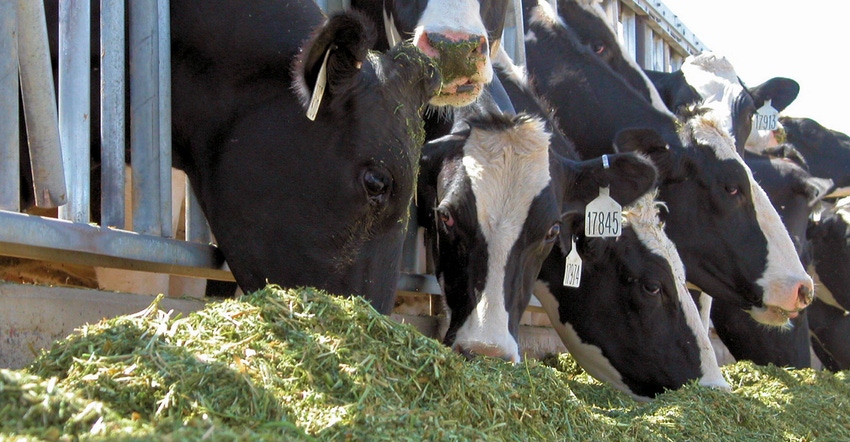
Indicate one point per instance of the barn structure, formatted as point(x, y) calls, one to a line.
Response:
point(58, 250)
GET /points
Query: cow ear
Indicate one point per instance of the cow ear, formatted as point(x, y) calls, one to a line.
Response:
point(589, 249)
point(815, 189)
point(341, 45)
point(644, 140)
point(781, 91)
point(627, 175)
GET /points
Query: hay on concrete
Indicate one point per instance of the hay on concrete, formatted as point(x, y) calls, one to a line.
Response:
point(299, 364)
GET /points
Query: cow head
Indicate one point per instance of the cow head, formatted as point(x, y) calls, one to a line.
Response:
point(491, 198)
point(631, 322)
point(459, 35)
point(730, 237)
point(827, 151)
point(591, 25)
point(830, 237)
point(292, 201)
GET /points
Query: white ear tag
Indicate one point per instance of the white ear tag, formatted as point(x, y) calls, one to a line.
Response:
point(572, 270)
point(319, 89)
point(766, 117)
point(603, 216)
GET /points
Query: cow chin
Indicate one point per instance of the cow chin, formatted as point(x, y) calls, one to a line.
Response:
point(452, 98)
point(773, 316)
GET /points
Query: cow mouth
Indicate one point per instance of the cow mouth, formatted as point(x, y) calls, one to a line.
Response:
point(459, 92)
point(773, 316)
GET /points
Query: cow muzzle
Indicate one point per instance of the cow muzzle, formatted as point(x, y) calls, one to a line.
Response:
point(464, 63)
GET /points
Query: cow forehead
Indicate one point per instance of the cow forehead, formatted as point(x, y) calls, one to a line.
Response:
point(454, 15)
point(643, 217)
point(714, 79)
point(708, 130)
point(507, 170)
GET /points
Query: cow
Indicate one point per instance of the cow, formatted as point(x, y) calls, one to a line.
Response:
point(490, 196)
point(293, 201)
point(826, 151)
point(631, 322)
point(795, 194)
point(459, 34)
point(828, 318)
point(742, 252)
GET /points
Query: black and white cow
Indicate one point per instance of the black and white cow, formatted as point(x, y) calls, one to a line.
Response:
point(491, 196)
point(829, 320)
point(741, 253)
point(827, 152)
point(629, 303)
point(795, 194)
point(631, 322)
point(709, 78)
point(294, 201)
point(459, 35)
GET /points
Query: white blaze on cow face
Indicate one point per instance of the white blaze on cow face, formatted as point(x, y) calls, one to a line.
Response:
point(464, 71)
point(544, 15)
point(643, 217)
point(784, 279)
point(507, 170)
point(715, 80)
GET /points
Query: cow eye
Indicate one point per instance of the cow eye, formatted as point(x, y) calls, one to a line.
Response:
point(445, 216)
point(651, 288)
point(377, 185)
point(553, 233)
point(598, 47)
point(732, 189)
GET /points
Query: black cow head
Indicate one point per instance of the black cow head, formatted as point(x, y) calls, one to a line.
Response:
point(491, 198)
point(292, 201)
point(631, 322)
point(830, 237)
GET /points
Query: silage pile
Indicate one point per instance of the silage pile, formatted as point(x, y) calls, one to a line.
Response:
point(301, 365)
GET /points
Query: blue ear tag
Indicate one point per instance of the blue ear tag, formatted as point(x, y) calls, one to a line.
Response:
point(572, 272)
point(766, 117)
point(603, 216)
point(319, 89)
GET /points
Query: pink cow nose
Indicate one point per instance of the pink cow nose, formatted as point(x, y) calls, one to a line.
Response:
point(458, 52)
point(481, 349)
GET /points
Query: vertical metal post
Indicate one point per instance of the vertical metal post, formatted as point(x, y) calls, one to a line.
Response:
point(75, 106)
point(144, 116)
point(10, 176)
point(39, 99)
point(112, 112)
point(164, 32)
point(197, 229)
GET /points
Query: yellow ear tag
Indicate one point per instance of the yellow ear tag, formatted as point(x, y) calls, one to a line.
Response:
point(319, 89)
point(766, 117)
point(603, 216)
point(572, 270)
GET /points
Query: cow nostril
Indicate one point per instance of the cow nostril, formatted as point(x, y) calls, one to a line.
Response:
point(805, 295)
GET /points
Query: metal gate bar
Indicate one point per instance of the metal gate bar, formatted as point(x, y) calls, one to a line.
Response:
point(9, 149)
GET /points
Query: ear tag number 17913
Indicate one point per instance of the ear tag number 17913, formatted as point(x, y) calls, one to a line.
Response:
point(603, 216)
point(572, 271)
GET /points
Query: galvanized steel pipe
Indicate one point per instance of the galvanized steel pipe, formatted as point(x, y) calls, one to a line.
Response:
point(164, 59)
point(39, 99)
point(75, 106)
point(112, 113)
point(144, 116)
point(10, 177)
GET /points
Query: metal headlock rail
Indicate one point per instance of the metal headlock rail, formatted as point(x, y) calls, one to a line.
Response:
point(58, 134)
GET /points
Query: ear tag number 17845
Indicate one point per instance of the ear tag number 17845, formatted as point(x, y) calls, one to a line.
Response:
point(603, 216)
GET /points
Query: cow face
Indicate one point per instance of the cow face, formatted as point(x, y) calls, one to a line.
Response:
point(591, 25)
point(459, 34)
point(735, 246)
point(491, 199)
point(794, 193)
point(827, 151)
point(292, 201)
point(830, 237)
point(631, 322)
